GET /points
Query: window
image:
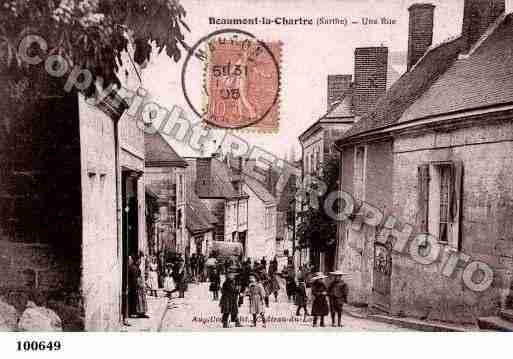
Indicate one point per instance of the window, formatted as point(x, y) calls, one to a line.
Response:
point(439, 201)
point(359, 172)
point(445, 183)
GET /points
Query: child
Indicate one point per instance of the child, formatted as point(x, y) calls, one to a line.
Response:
point(169, 283)
point(215, 282)
point(301, 297)
point(256, 294)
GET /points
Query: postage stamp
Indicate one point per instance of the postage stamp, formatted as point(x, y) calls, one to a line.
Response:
point(242, 84)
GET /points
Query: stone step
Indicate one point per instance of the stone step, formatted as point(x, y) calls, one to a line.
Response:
point(495, 323)
point(507, 314)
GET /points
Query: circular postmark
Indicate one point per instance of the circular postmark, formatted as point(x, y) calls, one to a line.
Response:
point(239, 79)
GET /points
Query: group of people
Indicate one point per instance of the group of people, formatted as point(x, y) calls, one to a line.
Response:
point(197, 266)
point(258, 284)
point(143, 277)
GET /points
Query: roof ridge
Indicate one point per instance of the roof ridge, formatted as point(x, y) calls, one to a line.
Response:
point(489, 31)
point(434, 47)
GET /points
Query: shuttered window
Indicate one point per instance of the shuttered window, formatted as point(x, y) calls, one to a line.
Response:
point(439, 201)
point(423, 198)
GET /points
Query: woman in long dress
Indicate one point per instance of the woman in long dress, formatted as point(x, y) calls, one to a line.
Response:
point(141, 306)
point(153, 277)
point(320, 306)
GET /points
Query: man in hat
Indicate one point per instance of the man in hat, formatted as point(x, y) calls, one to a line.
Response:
point(320, 304)
point(337, 293)
point(229, 302)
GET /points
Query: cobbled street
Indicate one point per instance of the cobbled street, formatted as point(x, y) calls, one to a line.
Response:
point(197, 311)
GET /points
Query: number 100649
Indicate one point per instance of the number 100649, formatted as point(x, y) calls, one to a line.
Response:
point(41, 346)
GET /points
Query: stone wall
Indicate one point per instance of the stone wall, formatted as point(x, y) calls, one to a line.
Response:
point(101, 257)
point(487, 155)
point(356, 256)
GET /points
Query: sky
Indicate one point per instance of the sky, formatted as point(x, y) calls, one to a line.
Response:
point(309, 54)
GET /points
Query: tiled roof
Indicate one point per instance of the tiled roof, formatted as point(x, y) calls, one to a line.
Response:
point(194, 222)
point(158, 152)
point(199, 219)
point(342, 109)
point(408, 88)
point(198, 205)
point(260, 190)
point(483, 79)
point(442, 83)
point(219, 184)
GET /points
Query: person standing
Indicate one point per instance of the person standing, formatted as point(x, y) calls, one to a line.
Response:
point(153, 277)
point(320, 306)
point(229, 302)
point(201, 267)
point(273, 266)
point(301, 298)
point(264, 263)
point(256, 294)
point(194, 267)
point(337, 293)
point(132, 277)
point(141, 306)
point(215, 282)
point(274, 285)
point(169, 283)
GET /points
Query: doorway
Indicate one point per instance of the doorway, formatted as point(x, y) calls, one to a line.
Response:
point(382, 271)
point(130, 242)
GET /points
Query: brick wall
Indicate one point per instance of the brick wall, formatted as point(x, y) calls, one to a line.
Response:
point(337, 87)
point(420, 34)
point(370, 77)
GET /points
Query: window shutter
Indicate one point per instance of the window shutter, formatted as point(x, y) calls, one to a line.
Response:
point(423, 198)
point(456, 203)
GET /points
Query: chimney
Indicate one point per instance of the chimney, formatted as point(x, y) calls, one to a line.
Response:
point(420, 33)
point(337, 86)
point(203, 174)
point(478, 15)
point(370, 77)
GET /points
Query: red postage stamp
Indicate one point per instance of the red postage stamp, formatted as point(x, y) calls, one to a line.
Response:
point(242, 84)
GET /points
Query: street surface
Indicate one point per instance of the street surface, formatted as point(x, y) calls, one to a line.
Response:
point(198, 311)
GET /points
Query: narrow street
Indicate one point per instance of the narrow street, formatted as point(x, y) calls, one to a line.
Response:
point(198, 311)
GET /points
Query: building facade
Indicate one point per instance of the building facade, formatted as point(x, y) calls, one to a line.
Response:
point(437, 168)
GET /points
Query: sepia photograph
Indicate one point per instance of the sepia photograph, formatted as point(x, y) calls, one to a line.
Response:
point(332, 166)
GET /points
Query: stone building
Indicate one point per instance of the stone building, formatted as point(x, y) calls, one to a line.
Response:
point(354, 98)
point(60, 238)
point(261, 236)
point(222, 193)
point(433, 158)
point(165, 175)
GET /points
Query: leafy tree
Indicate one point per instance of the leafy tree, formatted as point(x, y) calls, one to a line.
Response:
point(91, 34)
point(317, 229)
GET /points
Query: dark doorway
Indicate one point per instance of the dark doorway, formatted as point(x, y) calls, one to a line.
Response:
point(129, 229)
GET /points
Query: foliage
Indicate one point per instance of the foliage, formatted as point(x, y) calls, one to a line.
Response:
point(91, 33)
point(316, 229)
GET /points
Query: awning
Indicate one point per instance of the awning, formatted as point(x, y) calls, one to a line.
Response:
point(226, 248)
